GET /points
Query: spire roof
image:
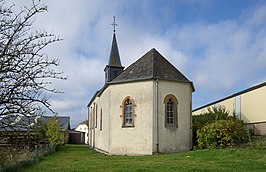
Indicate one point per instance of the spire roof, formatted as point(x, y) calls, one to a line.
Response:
point(114, 59)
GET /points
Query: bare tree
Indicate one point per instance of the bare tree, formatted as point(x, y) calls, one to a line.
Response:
point(26, 72)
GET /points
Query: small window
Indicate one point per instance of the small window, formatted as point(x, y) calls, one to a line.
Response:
point(101, 119)
point(128, 112)
point(190, 115)
point(96, 117)
point(171, 111)
point(91, 118)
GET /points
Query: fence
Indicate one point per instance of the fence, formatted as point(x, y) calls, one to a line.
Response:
point(258, 128)
point(13, 159)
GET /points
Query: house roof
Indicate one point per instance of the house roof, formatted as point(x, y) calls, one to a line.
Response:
point(151, 65)
point(64, 121)
point(233, 95)
point(17, 123)
point(26, 123)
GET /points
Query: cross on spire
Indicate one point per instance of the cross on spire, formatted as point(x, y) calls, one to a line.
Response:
point(114, 24)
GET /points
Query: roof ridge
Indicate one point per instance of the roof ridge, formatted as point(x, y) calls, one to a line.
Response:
point(153, 61)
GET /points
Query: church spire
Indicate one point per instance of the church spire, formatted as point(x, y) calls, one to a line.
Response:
point(114, 67)
point(114, 59)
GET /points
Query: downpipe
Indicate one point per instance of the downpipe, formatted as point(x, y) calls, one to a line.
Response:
point(157, 115)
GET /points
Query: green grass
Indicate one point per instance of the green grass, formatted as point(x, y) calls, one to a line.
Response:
point(81, 158)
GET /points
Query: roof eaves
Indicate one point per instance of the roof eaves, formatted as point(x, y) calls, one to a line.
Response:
point(99, 93)
point(233, 95)
point(192, 86)
point(153, 61)
point(131, 80)
point(93, 97)
point(153, 78)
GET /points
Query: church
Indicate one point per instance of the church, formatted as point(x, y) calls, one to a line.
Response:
point(143, 109)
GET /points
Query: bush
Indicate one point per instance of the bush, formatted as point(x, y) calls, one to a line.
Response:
point(200, 121)
point(222, 133)
point(53, 131)
point(214, 113)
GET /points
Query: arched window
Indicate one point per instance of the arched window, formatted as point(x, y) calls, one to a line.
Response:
point(171, 111)
point(128, 112)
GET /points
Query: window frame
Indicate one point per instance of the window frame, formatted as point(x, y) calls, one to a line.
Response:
point(170, 112)
point(131, 100)
point(172, 100)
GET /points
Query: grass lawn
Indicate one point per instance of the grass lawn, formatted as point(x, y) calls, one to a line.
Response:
point(81, 158)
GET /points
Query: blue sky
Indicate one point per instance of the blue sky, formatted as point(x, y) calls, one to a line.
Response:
point(220, 45)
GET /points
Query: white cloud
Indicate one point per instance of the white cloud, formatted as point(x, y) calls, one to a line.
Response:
point(218, 57)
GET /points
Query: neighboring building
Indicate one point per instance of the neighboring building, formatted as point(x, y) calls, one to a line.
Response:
point(83, 127)
point(248, 105)
point(142, 110)
point(22, 126)
point(76, 137)
point(64, 122)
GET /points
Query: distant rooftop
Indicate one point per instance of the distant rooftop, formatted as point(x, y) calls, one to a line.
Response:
point(24, 123)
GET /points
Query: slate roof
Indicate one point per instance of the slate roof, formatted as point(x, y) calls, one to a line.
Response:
point(64, 121)
point(152, 65)
point(114, 59)
point(23, 123)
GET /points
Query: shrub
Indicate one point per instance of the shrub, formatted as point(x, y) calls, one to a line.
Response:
point(214, 113)
point(218, 112)
point(198, 122)
point(222, 133)
point(53, 131)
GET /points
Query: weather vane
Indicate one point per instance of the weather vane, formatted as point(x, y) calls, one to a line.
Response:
point(114, 24)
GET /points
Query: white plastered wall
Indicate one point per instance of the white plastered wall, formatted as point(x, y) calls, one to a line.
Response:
point(142, 138)
point(175, 139)
point(83, 128)
point(102, 133)
point(135, 140)
point(99, 136)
